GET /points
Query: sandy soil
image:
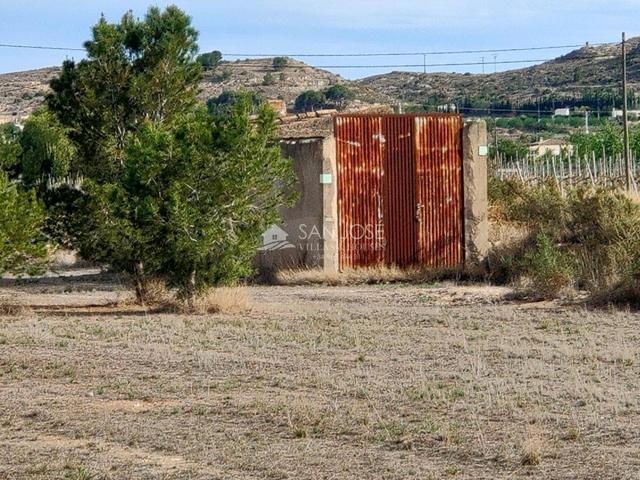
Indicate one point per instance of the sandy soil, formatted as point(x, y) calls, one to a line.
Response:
point(388, 382)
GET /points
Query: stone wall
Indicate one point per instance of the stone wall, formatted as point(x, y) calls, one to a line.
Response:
point(307, 237)
point(476, 204)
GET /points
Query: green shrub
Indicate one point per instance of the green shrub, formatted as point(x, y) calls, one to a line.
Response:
point(210, 59)
point(547, 267)
point(268, 79)
point(22, 246)
point(605, 233)
point(586, 237)
point(338, 95)
point(279, 63)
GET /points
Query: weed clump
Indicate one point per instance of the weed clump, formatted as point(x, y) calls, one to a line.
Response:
point(531, 451)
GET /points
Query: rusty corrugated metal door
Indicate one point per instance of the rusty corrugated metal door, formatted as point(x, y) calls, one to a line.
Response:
point(399, 190)
point(439, 194)
point(359, 153)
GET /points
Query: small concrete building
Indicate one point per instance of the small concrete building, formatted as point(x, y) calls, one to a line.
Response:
point(380, 189)
point(551, 146)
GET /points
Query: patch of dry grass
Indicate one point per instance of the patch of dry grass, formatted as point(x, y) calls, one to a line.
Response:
point(363, 276)
point(625, 294)
point(531, 450)
point(156, 292)
point(216, 300)
point(11, 309)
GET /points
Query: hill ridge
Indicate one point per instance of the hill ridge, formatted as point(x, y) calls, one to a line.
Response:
point(566, 78)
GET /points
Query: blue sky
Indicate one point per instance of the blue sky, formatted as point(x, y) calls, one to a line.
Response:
point(336, 26)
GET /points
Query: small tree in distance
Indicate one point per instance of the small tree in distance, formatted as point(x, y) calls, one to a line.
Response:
point(339, 95)
point(310, 100)
point(268, 80)
point(47, 152)
point(210, 60)
point(223, 104)
point(280, 63)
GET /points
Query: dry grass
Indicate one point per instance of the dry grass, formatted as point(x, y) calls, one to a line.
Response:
point(624, 294)
point(224, 300)
point(214, 300)
point(10, 309)
point(531, 450)
point(363, 276)
point(391, 381)
point(156, 292)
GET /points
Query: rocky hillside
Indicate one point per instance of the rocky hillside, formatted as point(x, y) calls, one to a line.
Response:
point(21, 92)
point(286, 83)
point(566, 77)
point(562, 77)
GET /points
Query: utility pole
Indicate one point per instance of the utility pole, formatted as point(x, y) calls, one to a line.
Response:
point(625, 117)
point(482, 64)
point(424, 61)
point(495, 63)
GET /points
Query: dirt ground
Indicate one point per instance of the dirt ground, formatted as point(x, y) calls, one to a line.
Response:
point(366, 382)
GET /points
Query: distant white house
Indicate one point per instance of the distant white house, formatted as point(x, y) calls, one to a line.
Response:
point(633, 114)
point(562, 112)
point(551, 146)
point(275, 239)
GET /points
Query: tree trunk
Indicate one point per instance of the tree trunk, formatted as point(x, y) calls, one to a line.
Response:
point(191, 290)
point(140, 283)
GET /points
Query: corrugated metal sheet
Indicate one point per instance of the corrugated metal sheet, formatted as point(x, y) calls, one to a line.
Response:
point(360, 153)
point(399, 189)
point(438, 160)
point(399, 214)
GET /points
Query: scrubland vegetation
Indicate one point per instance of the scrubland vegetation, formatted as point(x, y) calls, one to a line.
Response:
point(550, 241)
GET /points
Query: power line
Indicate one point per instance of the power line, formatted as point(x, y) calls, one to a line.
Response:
point(409, 54)
point(41, 47)
point(416, 65)
point(335, 55)
point(601, 85)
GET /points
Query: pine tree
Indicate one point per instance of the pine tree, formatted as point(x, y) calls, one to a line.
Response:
point(171, 189)
point(22, 244)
